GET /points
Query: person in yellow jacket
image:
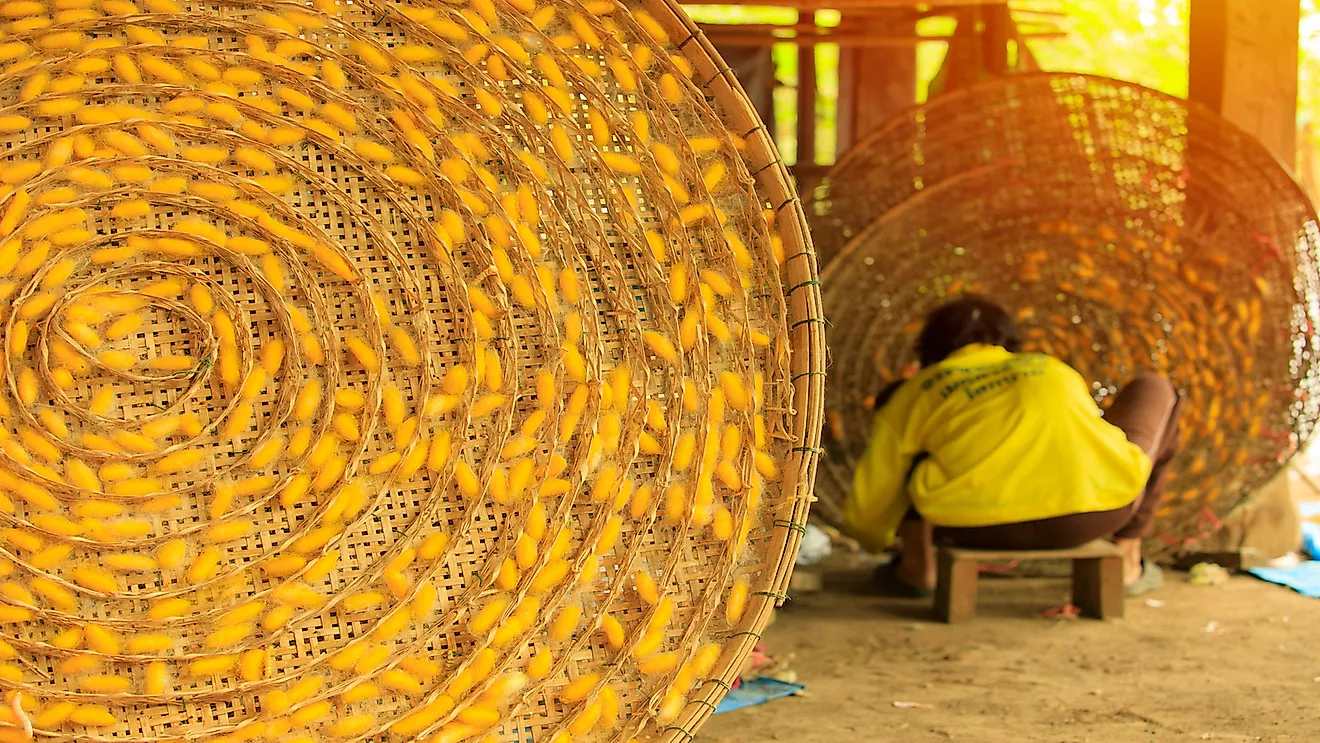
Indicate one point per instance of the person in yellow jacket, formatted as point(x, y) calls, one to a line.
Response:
point(989, 448)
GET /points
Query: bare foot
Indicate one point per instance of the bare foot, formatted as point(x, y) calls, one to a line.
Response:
point(1131, 549)
point(915, 574)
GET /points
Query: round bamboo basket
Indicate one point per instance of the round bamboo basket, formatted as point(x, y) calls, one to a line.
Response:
point(1128, 230)
point(444, 372)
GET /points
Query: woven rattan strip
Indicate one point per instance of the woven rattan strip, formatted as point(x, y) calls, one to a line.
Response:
point(1129, 231)
point(375, 371)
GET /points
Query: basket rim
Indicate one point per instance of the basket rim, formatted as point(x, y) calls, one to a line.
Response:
point(807, 360)
point(953, 96)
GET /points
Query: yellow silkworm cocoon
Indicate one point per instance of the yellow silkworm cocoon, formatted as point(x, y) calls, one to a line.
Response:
point(550, 576)
point(283, 565)
point(507, 578)
point(92, 715)
point(275, 702)
point(48, 589)
point(728, 475)
point(161, 427)
point(267, 452)
point(658, 664)
point(333, 74)
point(17, 614)
point(539, 666)
point(28, 386)
point(227, 636)
point(272, 356)
point(620, 163)
point(205, 566)
point(737, 601)
point(585, 720)
point(363, 601)
point(405, 346)
point(489, 614)
point(392, 405)
point(101, 640)
point(324, 449)
point(307, 401)
point(329, 474)
point(345, 424)
point(565, 622)
point(660, 346)
point(94, 578)
point(295, 594)
point(468, 484)
point(171, 554)
point(158, 678)
point(384, 463)
point(360, 692)
point(580, 687)
point(130, 563)
point(298, 442)
point(105, 684)
point(321, 567)
point(670, 90)
point(613, 631)
point(50, 557)
point(54, 422)
point(365, 355)
point(80, 332)
point(735, 392)
point(252, 664)
point(401, 681)
point(277, 617)
point(433, 546)
point(311, 713)
point(351, 726)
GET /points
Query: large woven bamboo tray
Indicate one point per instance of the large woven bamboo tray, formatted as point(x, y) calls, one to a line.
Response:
point(1128, 230)
point(375, 371)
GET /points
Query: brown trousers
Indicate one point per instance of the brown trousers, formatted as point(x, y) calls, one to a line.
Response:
point(1147, 410)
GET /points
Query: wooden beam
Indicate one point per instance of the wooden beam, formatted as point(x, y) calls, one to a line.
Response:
point(1243, 64)
point(848, 26)
point(861, 4)
point(862, 40)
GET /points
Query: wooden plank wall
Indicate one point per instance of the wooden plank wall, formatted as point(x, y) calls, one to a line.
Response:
point(1244, 57)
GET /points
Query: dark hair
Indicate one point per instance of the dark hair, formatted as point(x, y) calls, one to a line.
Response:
point(964, 322)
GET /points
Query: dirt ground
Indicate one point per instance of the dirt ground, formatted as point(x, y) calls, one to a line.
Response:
point(1234, 662)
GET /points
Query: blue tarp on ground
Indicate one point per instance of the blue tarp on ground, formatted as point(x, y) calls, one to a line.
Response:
point(758, 691)
point(1304, 578)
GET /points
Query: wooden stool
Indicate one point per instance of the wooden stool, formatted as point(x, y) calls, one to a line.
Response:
point(1097, 578)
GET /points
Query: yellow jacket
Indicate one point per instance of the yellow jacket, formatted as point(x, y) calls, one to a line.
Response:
point(1010, 438)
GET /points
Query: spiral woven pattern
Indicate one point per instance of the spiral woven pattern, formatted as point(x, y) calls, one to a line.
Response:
point(390, 372)
point(1128, 230)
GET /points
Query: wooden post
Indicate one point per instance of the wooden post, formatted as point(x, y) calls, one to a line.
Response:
point(1243, 64)
point(979, 48)
point(1097, 586)
point(998, 29)
point(806, 98)
point(875, 84)
point(955, 588)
